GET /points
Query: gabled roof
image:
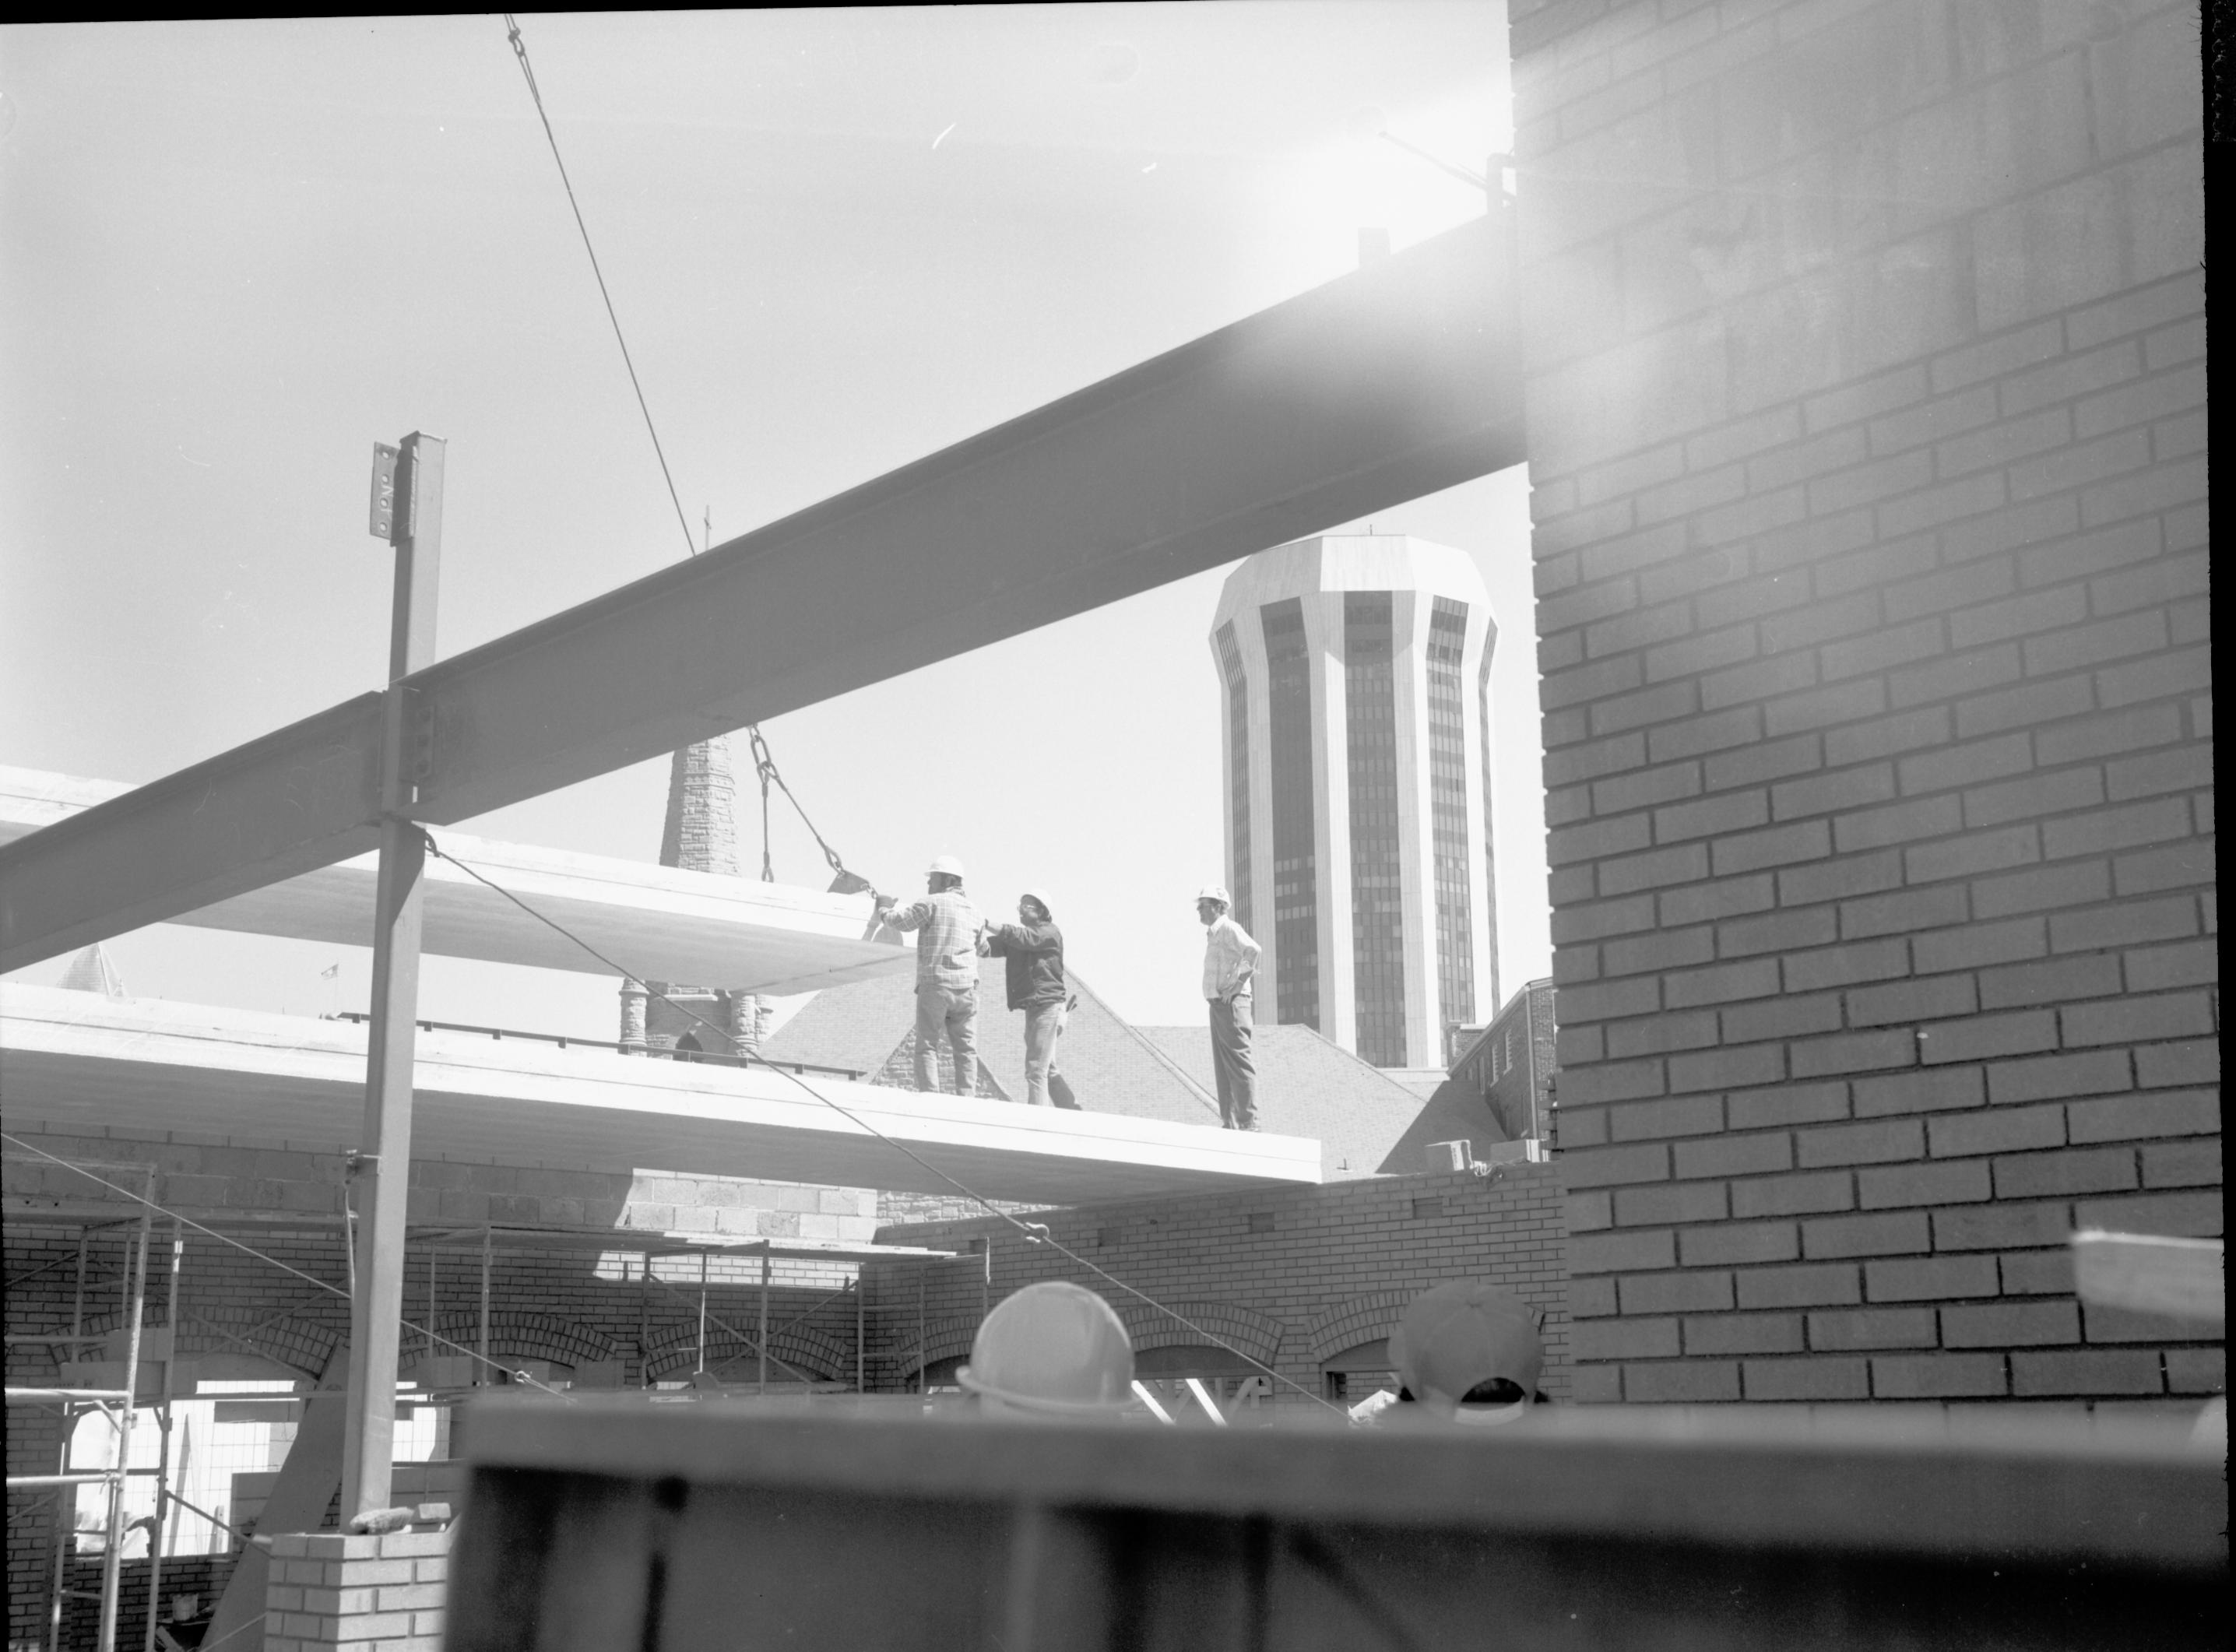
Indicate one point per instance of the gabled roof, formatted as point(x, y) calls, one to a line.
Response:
point(1309, 1086)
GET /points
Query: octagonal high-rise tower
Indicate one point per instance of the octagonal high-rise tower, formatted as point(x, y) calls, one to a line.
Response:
point(1357, 674)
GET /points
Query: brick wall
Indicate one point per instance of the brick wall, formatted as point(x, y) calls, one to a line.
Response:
point(1292, 1276)
point(1866, 398)
point(375, 1593)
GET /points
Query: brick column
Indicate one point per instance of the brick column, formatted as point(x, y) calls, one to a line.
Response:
point(372, 1594)
point(1866, 400)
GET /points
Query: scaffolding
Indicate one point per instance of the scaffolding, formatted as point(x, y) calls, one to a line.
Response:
point(118, 1405)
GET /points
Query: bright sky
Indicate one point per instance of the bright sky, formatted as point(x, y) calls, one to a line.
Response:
point(234, 255)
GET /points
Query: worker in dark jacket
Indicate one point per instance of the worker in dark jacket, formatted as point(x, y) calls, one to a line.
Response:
point(1032, 949)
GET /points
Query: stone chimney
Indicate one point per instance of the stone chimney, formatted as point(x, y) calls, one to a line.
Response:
point(701, 834)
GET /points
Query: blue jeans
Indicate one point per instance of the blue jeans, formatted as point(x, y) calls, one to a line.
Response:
point(953, 1011)
point(1044, 1026)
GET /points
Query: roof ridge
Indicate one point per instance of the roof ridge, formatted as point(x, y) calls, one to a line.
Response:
point(1194, 1090)
point(1354, 1056)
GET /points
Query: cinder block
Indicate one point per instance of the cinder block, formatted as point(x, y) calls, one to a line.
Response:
point(1681, 1201)
point(1910, 911)
point(2036, 1176)
point(1890, 1233)
point(1983, 1037)
point(1938, 1376)
point(1680, 1293)
point(2008, 1324)
point(1623, 1339)
point(1914, 729)
point(1852, 1330)
point(1666, 1116)
point(1681, 1381)
point(1726, 1068)
point(1929, 1279)
point(2194, 1062)
point(2037, 1273)
point(1956, 1181)
point(1730, 1155)
point(2182, 1164)
point(1938, 1090)
point(1788, 1016)
point(1724, 1333)
point(2138, 1118)
point(1794, 1194)
point(1623, 1251)
point(1852, 1053)
point(2197, 1370)
point(1996, 1131)
point(1726, 1243)
point(1807, 1380)
point(2137, 1019)
point(2000, 1226)
point(1879, 1143)
point(1832, 1284)
point(2090, 1073)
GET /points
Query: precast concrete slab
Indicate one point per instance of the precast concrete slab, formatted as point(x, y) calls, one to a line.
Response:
point(139, 1067)
point(657, 923)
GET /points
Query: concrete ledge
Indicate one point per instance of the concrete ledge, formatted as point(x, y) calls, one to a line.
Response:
point(80, 1061)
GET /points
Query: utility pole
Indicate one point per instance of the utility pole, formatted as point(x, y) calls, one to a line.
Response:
point(407, 510)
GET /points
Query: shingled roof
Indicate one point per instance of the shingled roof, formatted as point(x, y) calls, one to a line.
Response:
point(1309, 1086)
point(870, 1025)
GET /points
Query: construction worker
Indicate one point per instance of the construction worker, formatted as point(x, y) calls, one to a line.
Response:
point(1032, 951)
point(946, 972)
point(1230, 957)
point(1466, 1353)
point(1052, 1349)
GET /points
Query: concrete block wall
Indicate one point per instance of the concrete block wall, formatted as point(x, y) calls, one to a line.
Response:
point(1866, 392)
point(372, 1594)
point(1291, 1276)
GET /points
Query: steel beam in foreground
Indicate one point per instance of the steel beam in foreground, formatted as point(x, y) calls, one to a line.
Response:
point(1392, 383)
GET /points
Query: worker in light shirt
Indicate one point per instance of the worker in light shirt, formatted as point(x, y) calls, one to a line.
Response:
point(946, 972)
point(1230, 958)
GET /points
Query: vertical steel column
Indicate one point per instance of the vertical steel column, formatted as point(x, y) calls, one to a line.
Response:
point(923, 1351)
point(762, 1338)
point(66, 1497)
point(369, 1440)
point(163, 1462)
point(481, 1371)
point(861, 1286)
point(702, 1310)
point(644, 1322)
point(112, 1560)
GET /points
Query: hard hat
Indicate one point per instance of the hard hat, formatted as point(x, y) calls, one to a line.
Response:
point(1040, 897)
point(947, 864)
point(1460, 1336)
point(1054, 1348)
point(1215, 892)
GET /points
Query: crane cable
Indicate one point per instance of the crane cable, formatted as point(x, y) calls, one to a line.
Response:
point(846, 882)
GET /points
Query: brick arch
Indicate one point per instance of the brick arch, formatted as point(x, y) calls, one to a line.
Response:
point(1256, 1334)
point(943, 1339)
point(1360, 1319)
point(294, 1341)
point(811, 1350)
point(514, 1333)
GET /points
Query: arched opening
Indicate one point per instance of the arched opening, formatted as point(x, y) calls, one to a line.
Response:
point(687, 1048)
point(1351, 1376)
point(1232, 1383)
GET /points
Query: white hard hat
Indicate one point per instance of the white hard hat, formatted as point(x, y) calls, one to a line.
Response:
point(1040, 898)
point(1054, 1348)
point(1215, 892)
point(947, 864)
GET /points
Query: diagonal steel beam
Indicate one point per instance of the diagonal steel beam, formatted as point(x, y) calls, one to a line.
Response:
point(1384, 386)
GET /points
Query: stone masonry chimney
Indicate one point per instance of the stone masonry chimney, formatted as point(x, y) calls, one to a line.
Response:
point(701, 834)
